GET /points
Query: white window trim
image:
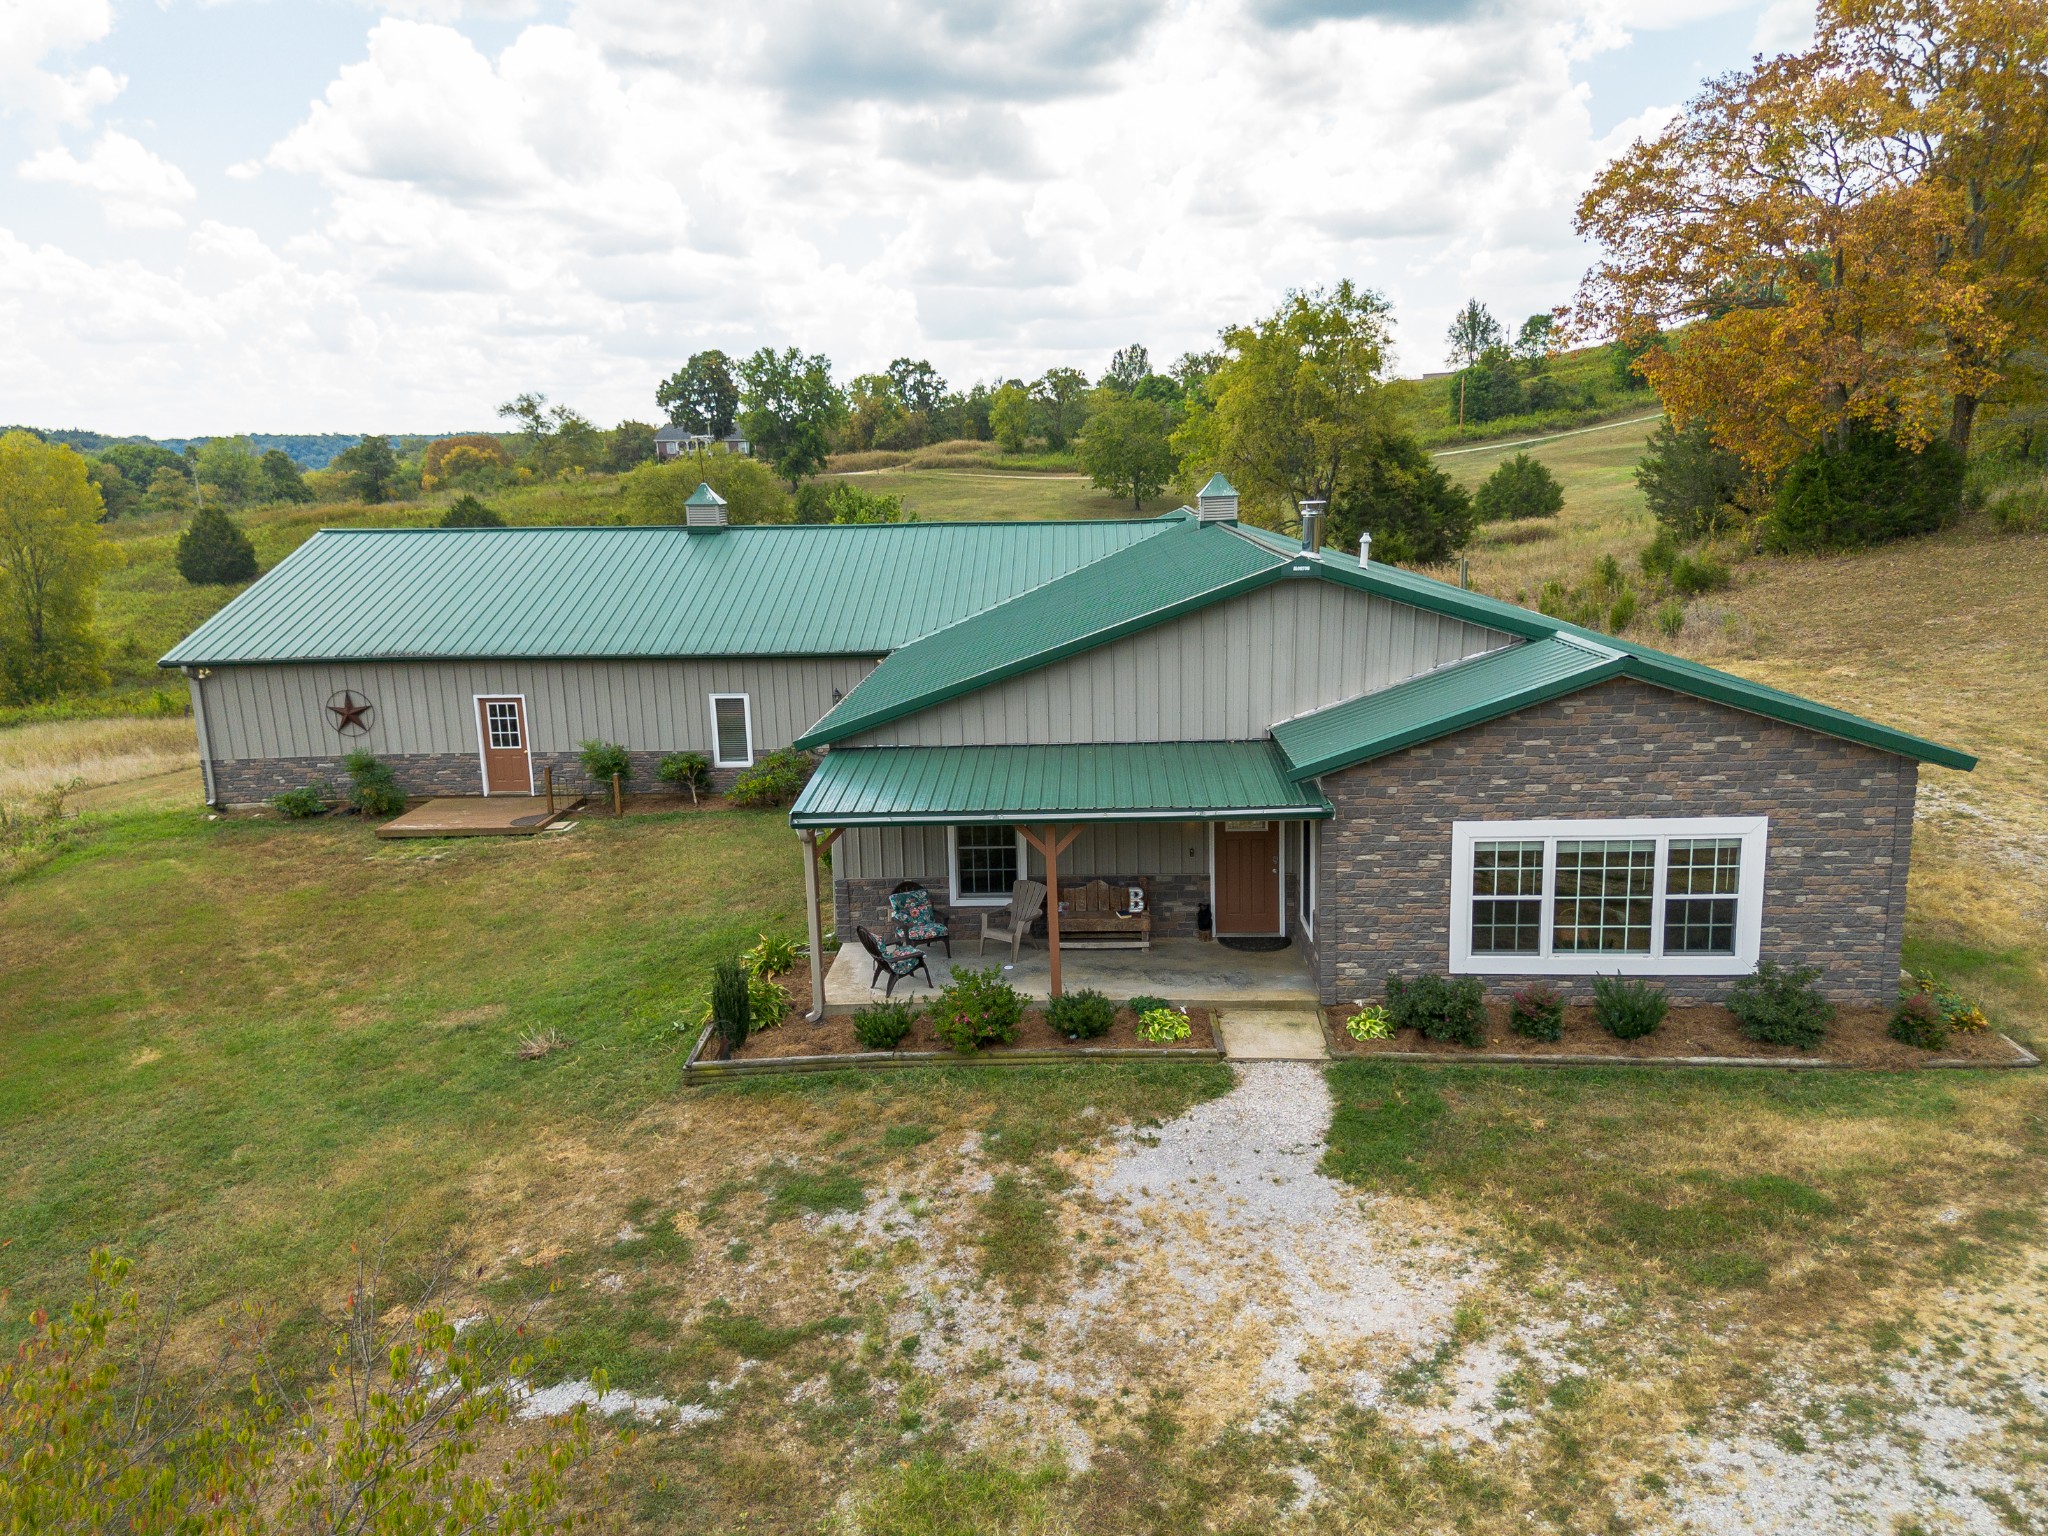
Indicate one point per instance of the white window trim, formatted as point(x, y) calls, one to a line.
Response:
point(483, 737)
point(1305, 902)
point(747, 711)
point(954, 898)
point(1749, 897)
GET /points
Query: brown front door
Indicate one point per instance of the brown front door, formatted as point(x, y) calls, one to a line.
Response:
point(508, 765)
point(1248, 877)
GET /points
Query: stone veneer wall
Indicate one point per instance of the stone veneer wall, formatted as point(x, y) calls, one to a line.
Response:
point(252, 781)
point(1841, 825)
point(866, 902)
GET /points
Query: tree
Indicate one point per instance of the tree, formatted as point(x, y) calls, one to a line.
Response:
point(702, 394)
point(1473, 330)
point(1192, 370)
point(1062, 398)
point(282, 480)
point(1869, 490)
point(371, 467)
point(1535, 339)
point(791, 410)
point(169, 493)
point(467, 512)
point(118, 494)
point(842, 502)
point(1856, 234)
point(1489, 389)
point(655, 493)
point(1416, 514)
point(1518, 487)
point(875, 414)
point(627, 444)
point(213, 551)
point(228, 468)
point(1126, 367)
point(52, 554)
point(1127, 449)
point(467, 455)
point(1690, 483)
point(1297, 405)
point(1009, 416)
point(919, 389)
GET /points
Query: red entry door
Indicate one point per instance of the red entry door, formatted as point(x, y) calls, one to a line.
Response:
point(1248, 877)
point(508, 758)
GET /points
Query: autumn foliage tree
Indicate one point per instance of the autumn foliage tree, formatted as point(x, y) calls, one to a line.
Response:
point(1854, 236)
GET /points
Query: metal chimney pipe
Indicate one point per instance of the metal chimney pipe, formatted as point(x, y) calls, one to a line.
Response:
point(1365, 549)
point(1312, 526)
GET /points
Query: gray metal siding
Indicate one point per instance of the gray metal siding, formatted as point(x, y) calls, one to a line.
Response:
point(429, 706)
point(1227, 673)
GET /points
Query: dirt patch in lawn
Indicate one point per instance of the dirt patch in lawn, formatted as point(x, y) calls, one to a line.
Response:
point(834, 1036)
point(1856, 1038)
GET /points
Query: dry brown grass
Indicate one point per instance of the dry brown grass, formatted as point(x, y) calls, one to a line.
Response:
point(90, 753)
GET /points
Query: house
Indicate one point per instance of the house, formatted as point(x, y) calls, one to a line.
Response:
point(1271, 737)
point(672, 442)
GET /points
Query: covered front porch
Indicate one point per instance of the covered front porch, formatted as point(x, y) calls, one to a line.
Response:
point(1183, 826)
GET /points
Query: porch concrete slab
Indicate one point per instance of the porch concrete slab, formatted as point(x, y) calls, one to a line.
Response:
point(1184, 971)
point(1288, 1033)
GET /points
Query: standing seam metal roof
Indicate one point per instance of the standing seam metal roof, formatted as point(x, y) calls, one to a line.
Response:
point(764, 590)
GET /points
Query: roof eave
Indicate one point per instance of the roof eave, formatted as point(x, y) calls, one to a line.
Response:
point(1320, 811)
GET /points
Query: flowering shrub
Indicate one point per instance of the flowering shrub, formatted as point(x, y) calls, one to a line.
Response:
point(1163, 1025)
point(1536, 1012)
point(1371, 1022)
point(977, 1008)
point(1957, 1011)
point(1918, 1021)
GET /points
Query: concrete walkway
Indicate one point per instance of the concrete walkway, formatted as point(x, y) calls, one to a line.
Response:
point(1182, 971)
point(1285, 1033)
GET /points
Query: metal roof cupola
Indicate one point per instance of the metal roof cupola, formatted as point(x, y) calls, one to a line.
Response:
point(1216, 502)
point(705, 509)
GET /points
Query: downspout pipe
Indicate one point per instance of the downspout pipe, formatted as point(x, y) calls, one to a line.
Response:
point(192, 679)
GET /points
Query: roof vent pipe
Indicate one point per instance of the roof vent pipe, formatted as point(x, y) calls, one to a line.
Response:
point(1365, 549)
point(1216, 502)
point(1311, 527)
point(704, 509)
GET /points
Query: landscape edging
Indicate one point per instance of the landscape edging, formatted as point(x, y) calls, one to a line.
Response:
point(699, 1072)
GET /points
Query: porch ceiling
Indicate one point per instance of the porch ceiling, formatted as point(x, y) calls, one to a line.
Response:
point(1116, 781)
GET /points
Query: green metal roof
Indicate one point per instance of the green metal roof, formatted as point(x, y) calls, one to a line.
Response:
point(863, 590)
point(704, 496)
point(1187, 567)
point(1142, 781)
point(1217, 486)
point(1437, 703)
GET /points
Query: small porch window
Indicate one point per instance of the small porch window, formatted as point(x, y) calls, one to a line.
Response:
point(986, 861)
point(732, 731)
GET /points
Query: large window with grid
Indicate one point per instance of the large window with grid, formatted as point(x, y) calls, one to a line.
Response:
point(986, 861)
point(1677, 896)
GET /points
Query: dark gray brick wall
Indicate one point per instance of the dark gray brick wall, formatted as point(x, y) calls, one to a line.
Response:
point(252, 781)
point(1840, 835)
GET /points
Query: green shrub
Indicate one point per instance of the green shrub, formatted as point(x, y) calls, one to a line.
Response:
point(2022, 511)
point(1918, 1021)
point(1781, 1007)
point(731, 1003)
point(467, 512)
point(1163, 1026)
point(882, 1026)
point(1622, 611)
point(1084, 1015)
point(1441, 1007)
point(977, 1008)
point(776, 779)
point(306, 800)
point(1536, 1012)
point(1694, 575)
point(1692, 486)
point(1519, 487)
point(1145, 1003)
point(686, 771)
point(214, 552)
point(1371, 1022)
point(601, 759)
point(1628, 1009)
point(770, 956)
point(1671, 618)
point(1867, 491)
point(373, 789)
point(1957, 1011)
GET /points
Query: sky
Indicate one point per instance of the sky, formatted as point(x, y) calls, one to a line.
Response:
point(228, 216)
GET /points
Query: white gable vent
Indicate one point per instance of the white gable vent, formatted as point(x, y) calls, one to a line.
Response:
point(704, 509)
point(1217, 501)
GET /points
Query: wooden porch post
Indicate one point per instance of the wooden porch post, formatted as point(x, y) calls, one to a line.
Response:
point(813, 846)
point(1050, 850)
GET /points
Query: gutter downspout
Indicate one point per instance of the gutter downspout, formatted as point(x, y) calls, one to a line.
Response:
point(809, 838)
point(205, 742)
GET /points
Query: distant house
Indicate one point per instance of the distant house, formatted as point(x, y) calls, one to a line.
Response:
point(1269, 737)
point(672, 442)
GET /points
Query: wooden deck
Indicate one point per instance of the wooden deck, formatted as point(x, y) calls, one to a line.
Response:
point(479, 816)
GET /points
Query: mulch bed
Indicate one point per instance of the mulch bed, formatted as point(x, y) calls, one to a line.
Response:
point(834, 1037)
point(1856, 1038)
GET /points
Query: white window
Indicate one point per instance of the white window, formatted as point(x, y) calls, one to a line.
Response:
point(502, 716)
point(1674, 897)
point(985, 862)
point(732, 730)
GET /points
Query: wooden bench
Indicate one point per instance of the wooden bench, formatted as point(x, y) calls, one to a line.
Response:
point(1099, 916)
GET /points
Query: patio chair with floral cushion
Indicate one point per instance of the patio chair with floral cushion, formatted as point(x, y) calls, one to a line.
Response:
point(895, 961)
point(912, 919)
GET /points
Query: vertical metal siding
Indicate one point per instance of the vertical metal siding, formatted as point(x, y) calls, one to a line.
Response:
point(1226, 673)
point(428, 707)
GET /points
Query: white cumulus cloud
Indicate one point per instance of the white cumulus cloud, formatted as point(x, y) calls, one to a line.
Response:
point(137, 188)
point(30, 32)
